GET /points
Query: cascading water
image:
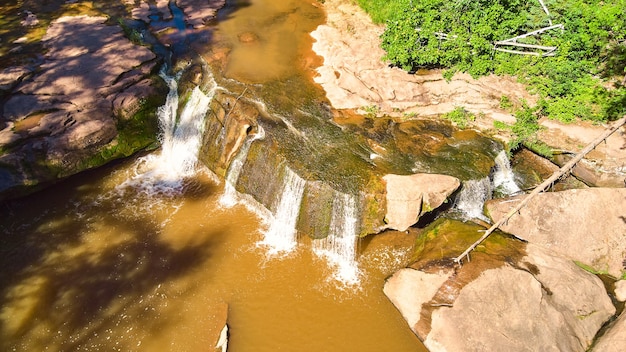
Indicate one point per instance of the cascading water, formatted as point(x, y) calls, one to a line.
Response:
point(503, 177)
point(281, 236)
point(475, 193)
point(339, 247)
point(472, 197)
point(180, 137)
point(229, 198)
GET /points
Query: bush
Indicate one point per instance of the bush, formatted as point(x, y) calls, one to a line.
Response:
point(458, 35)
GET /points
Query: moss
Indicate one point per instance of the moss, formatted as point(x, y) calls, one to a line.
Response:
point(445, 239)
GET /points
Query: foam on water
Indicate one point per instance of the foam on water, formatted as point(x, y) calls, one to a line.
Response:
point(163, 173)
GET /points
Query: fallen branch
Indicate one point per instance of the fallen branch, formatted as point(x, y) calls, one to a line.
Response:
point(555, 176)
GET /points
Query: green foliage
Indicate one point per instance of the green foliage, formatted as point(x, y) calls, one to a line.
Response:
point(524, 131)
point(371, 110)
point(460, 117)
point(573, 84)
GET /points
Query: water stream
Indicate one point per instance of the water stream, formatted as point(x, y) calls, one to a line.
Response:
point(281, 237)
point(474, 193)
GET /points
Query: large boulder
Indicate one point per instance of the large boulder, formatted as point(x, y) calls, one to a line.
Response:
point(605, 166)
point(587, 225)
point(92, 99)
point(411, 196)
point(509, 297)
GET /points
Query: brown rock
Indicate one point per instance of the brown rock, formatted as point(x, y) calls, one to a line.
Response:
point(537, 302)
point(614, 339)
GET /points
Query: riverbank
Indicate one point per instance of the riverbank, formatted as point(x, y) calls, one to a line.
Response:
point(356, 79)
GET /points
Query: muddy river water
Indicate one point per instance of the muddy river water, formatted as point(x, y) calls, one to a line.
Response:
point(98, 263)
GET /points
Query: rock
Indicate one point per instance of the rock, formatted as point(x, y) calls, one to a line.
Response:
point(410, 196)
point(614, 339)
point(248, 37)
point(64, 115)
point(620, 290)
point(509, 297)
point(587, 225)
point(199, 12)
point(605, 166)
point(531, 170)
point(11, 76)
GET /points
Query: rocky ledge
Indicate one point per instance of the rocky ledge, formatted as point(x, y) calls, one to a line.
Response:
point(89, 100)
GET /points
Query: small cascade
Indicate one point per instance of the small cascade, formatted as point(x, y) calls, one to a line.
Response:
point(339, 247)
point(472, 197)
point(503, 177)
point(281, 237)
point(229, 198)
point(475, 193)
point(180, 137)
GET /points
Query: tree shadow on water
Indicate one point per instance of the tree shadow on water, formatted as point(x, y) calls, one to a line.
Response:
point(78, 274)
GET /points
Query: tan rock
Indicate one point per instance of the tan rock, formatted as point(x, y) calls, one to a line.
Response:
point(614, 339)
point(410, 196)
point(620, 290)
point(541, 302)
point(354, 76)
point(587, 225)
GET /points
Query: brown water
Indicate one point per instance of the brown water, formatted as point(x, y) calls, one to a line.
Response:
point(89, 265)
point(88, 268)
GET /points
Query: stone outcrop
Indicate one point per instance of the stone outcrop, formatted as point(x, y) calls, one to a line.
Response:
point(605, 166)
point(197, 13)
point(510, 296)
point(410, 196)
point(614, 339)
point(587, 225)
point(68, 114)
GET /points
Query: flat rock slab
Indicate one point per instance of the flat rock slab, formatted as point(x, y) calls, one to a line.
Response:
point(587, 225)
point(62, 113)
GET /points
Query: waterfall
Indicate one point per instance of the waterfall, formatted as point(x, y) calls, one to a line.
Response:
point(180, 137)
point(229, 198)
point(339, 247)
point(475, 193)
point(503, 178)
point(472, 197)
point(281, 236)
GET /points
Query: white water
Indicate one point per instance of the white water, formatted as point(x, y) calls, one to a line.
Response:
point(281, 237)
point(475, 193)
point(503, 178)
point(339, 247)
point(181, 137)
point(472, 197)
point(230, 198)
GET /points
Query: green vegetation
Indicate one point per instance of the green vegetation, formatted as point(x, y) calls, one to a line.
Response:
point(460, 117)
point(583, 79)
